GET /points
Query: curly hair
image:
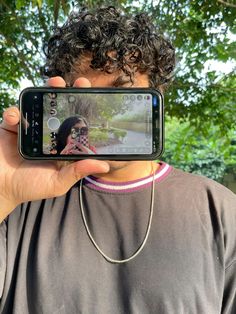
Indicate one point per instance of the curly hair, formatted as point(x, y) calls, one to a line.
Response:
point(116, 42)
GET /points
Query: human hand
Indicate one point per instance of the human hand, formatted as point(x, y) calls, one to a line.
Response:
point(42, 179)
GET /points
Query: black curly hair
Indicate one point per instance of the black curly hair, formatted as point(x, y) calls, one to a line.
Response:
point(116, 42)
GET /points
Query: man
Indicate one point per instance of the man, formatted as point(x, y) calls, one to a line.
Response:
point(137, 236)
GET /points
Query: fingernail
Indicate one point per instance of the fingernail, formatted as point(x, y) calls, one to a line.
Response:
point(10, 114)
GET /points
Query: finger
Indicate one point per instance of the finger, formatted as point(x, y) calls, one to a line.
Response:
point(70, 174)
point(11, 118)
point(79, 145)
point(68, 147)
point(76, 152)
point(65, 151)
point(82, 82)
point(56, 81)
point(83, 148)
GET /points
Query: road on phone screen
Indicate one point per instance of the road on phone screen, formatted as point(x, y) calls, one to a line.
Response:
point(133, 142)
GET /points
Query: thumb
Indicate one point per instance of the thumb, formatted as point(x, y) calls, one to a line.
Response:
point(11, 118)
point(68, 175)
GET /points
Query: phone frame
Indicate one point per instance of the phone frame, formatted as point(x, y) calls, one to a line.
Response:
point(158, 138)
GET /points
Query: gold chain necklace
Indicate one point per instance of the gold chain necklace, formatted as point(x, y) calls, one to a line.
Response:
point(107, 258)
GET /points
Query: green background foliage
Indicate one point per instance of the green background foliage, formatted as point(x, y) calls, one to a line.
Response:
point(200, 105)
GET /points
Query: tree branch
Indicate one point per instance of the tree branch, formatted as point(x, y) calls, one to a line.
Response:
point(5, 5)
point(227, 4)
point(56, 11)
point(24, 30)
point(42, 22)
point(23, 61)
point(25, 66)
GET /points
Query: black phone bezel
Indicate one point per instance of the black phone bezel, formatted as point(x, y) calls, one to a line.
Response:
point(25, 142)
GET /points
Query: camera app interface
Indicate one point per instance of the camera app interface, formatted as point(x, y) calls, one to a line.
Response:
point(97, 124)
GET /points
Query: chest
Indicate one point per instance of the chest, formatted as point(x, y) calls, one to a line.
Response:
point(59, 269)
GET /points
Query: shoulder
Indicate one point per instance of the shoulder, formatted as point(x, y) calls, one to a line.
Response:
point(199, 184)
point(214, 203)
point(212, 200)
point(207, 196)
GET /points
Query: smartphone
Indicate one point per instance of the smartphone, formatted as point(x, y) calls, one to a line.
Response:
point(80, 135)
point(99, 123)
point(79, 139)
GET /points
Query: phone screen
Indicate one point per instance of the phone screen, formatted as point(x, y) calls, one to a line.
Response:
point(115, 123)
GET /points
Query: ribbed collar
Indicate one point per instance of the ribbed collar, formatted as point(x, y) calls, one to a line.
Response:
point(128, 186)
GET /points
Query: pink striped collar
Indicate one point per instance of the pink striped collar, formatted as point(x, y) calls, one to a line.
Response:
point(130, 186)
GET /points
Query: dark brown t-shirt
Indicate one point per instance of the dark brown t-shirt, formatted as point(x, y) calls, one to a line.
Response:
point(188, 265)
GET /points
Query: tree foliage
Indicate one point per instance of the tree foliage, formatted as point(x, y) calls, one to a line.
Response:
point(200, 30)
point(196, 153)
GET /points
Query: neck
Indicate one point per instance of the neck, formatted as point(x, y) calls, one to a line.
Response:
point(123, 171)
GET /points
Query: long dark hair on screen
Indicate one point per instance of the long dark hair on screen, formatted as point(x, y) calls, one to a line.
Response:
point(65, 130)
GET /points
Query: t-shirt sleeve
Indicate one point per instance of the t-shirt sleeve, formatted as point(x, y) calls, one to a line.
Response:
point(3, 253)
point(228, 221)
point(226, 204)
point(229, 298)
point(221, 203)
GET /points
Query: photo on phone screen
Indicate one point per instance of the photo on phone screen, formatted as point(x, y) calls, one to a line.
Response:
point(85, 123)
